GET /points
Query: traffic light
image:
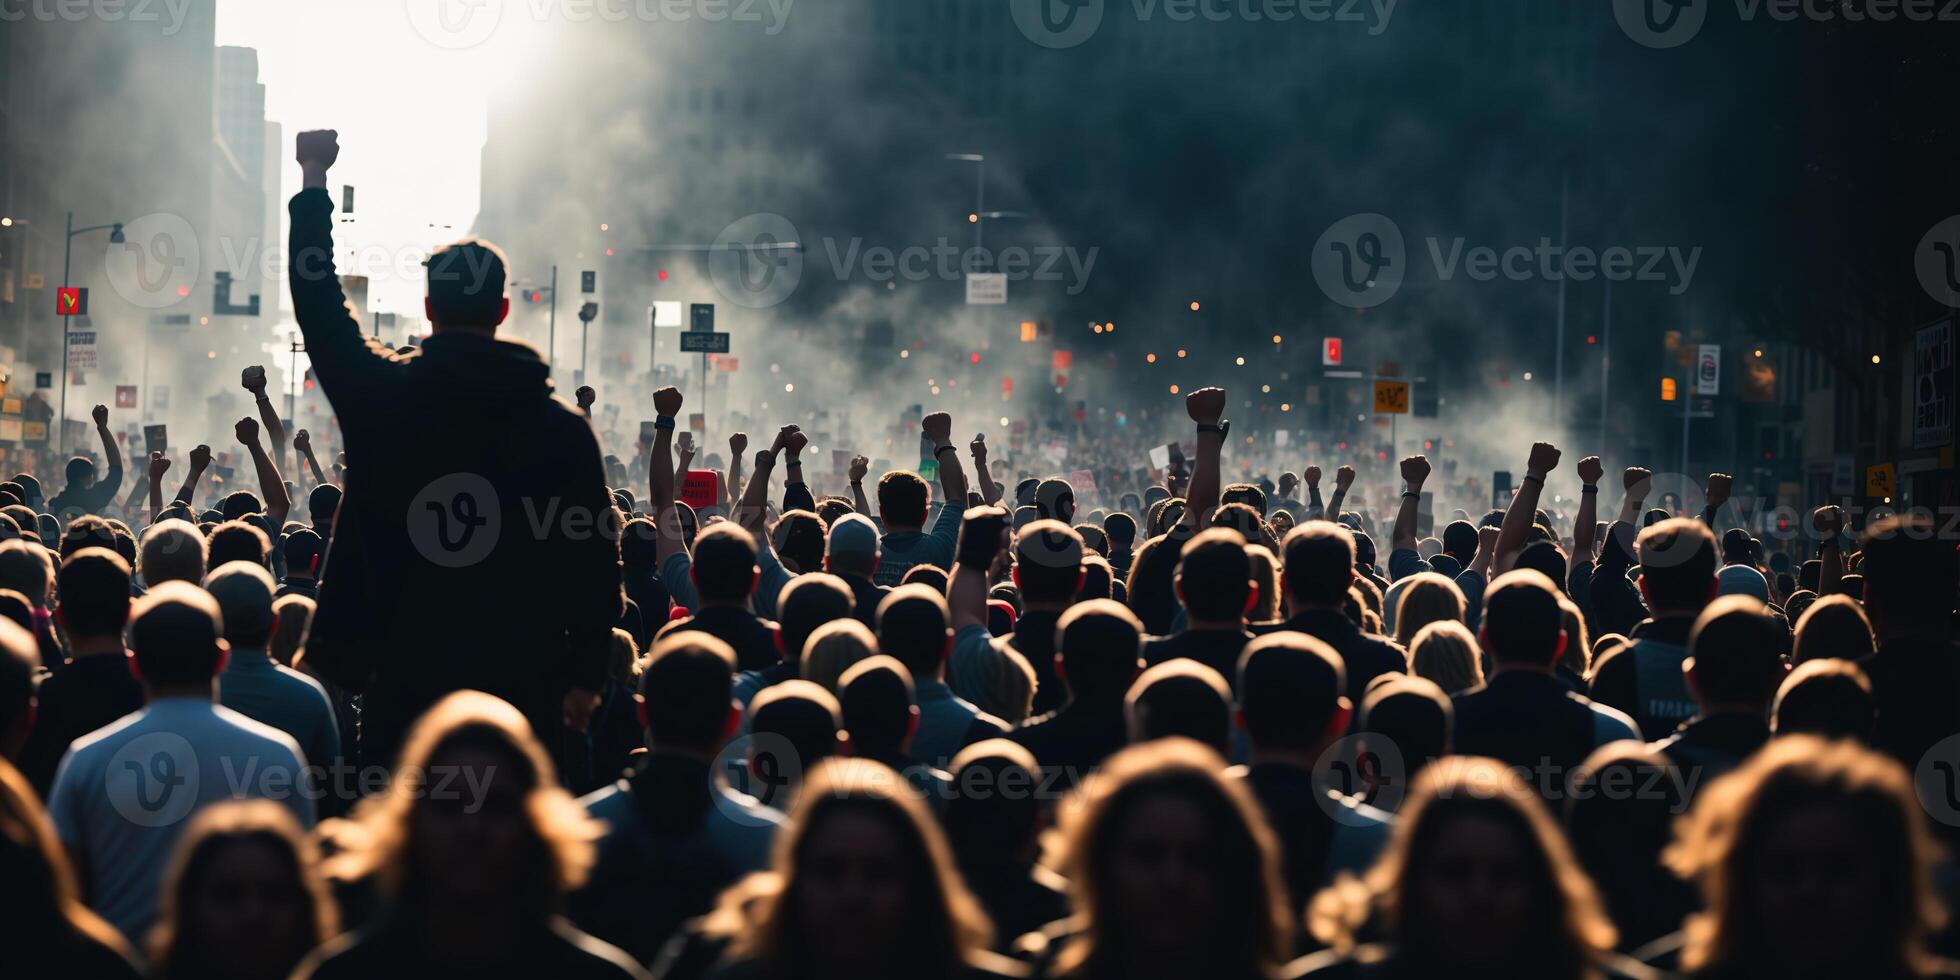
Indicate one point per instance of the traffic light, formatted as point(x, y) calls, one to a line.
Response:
point(534, 296)
point(1669, 389)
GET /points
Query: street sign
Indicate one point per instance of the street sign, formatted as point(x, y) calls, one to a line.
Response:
point(728, 364)
point(125, 396)
point(701, 317)
point(1932, 386)
point(1391, 398)
point(81, 350)
point(588, 281)
point(71, 301)
point(986, 288)
point(1881, 480)
point(44, 379)
point(666, 313)
point(1708, 370)
point(36, 280)
point(1330, 352)
point(703, 342)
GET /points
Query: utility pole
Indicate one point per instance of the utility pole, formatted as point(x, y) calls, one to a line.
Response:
point(551, 320)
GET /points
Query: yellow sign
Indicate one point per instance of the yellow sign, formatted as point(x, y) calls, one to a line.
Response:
point(10, 406)
point(1391, 398)
point(36, 280)
point(34, 432)
point(1881, 480)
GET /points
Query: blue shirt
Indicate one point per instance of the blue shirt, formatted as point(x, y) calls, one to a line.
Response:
point(125, 792)
point(284, 698)
point(900, 551)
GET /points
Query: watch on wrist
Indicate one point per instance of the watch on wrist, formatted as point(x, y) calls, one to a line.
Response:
point(1223, 428)
point(663, 422)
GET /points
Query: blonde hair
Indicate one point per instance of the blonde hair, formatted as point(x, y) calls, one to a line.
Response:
point(377, 841)
point(1265, 571)
point(172, 549)
point(1577, 931)
point(1428, 598)
point(1835, 626)
point(1716, 842)
point(996, 679)
point(1578, 643)
point(214, 828)
point(833, 647)
point(291, 615)
point(1446, 652)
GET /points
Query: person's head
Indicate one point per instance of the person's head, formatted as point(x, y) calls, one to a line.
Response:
point(799, 536)
point(1101, 641)
point(995, 817)
point(240, 504)
point(902, 500)
point(913, 626)
point(1735, 656)
point(638, 544)
point(831, 509)
point(466, 287)
point(1318, 558)
point(80, 472)
point(1619, 815)
point(24, 518)
point(1813, 858)
point(880, 707)
point(1428, 598)
point(244, 593)
point(1677, 566)
point(1828, 698)
point(852, 546)
point(684, 694)
point(172, 551)
point(997, 680)
point(43, 902)
point(1292, 693)
point(1523, 625)
point(176, 639)
point(796, 718)
point(861, 883)
point(1169, 862)
point(931, 576)
point(242, 896)
point(1447, 653)
point(1180, 698)
point(1098, 579)
point(1121, 530)
point(291, 617)
point(20, 660)
point(474, 818)
point(302, 550)
point(1048, 564)
point(724, 570)
point(807, 602)
point(1214, 577)
point(1054, 500)
point(26, 568)
point(322, 504)
point(238, 540)
point(87, 531)
point(1093, 538)
point(1411, 714)
point(833, 648)
point(1910, 574)
point(94, 587)
point(1475, 878)
point(1460, 541)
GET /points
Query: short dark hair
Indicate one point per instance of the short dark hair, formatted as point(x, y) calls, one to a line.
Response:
point(1290, 686)
point(237, 541)
point(686, 685)
point(800, 536)
point(638, 543)
point(724, 563)
point(1100, 643)
point(87, 531)
point(323, 503)
point(1048, 561)
point(466, 284)
point(94, 588)
point(174, 633)
point(902, 498)
point(301, 549)
point(240, 503)
point(1055, 500)
point(80, 470)
point(876, 696)
point(1737, 646)
point(1184, 698)
point(1244, 493)
point(1121, 529)
point(1460, 540)
point(1413, 713)
point(800, 713)
point(1522, 618)
point(1545, 557)
point(1214, 575)
point(808, 602)
point(931, 576)
point(20, 659)
point(1827, 697)
point(1677, 564)
point(912, 627)
point(1319, 562)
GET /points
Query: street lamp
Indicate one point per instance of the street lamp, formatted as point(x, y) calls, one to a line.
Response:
point(67, 265)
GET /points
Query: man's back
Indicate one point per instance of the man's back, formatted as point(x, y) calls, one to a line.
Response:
point(283, 698)
point(125, 793)
point(1365, 656)
point(1645, 680)
point(1530, 720)
point(1916, 684)
point(81, 696)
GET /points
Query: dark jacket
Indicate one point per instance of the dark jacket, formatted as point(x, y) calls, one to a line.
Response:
point(1366, 656)
point(469, 550)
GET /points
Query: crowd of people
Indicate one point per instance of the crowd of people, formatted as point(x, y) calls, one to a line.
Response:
point(485, 709)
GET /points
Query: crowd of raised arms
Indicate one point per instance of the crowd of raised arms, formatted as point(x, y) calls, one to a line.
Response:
point(1213, 730)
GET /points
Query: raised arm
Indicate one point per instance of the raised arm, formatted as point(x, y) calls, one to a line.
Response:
point(754, 505)
point(253, 379)
point(104, 492)
point(1486, 550)
point(860, 465)
point(159, 465)
point(796, 493)
point(989, 490)
point(738, 445)
point(277, 503)
point(1638, 482)
point(1828, 521)
point(339, 352)
point(1415, 470)
point(1585, 528)
point(1720, 485)
point(983, 536)
point(660, 474)
point(1524, 505)
point(303, 445)
point(952, 477)
point(1206, 406)
point(1316, 508)
point(1343, 479)
point(200, 461)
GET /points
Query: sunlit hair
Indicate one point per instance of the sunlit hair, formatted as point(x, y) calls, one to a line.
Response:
point(377, 840)
point(833, 647)
point(1265, 572)
point(760, 916)
point(1717, 844)
point(1834, 626)
point(216, 827)
point(1578, 642)
point(1428, 598)
point(291, 615)
point(1446, 652)
point(1574, 931)
point(1256, 934)
point(997, 679)
point(42, 900)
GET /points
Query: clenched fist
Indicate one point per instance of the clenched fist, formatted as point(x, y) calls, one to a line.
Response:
point(1638, 479)
point(1720, 485)
point(101, 415)
point(1206, 405)
point(667, 402)
point(1415, 469)
point(1344, 478)
point(303, 442)
point(200, 457)
point(247, 431)
point(738, 444)
point(860, 465)
point(938, 427)
point(1590, 471)
point(159, 465)
point(1544, 459)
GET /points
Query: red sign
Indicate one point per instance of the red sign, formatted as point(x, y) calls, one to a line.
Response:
point(701, 489)
point(1330, 352)
point(71, 301)
point(125, 396)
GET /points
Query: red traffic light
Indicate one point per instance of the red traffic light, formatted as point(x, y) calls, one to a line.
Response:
point(663, 275)
point(537, 297)
point(974, 357)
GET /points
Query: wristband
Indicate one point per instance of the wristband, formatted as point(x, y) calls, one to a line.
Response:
point(1528, 476)
point(1589, 488)
point(1406, 494)
point(948, 448)
point(664, 422)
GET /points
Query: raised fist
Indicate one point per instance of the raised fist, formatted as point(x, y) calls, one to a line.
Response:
point(738, 444)
point(1344, 477)
point(317, 149)
point(303, 442)
point(1206, 405)
point(159, 465)
point(978, 447)
point(586, 396)
point(1638, 480)
point(1287, 481)
point(795, 443)
point(1720, 485)
point(247, 430)
point(667, 402)
point(1415, 469)
point(101, 415)
point(1313, 476)
point(200, 457)
point(1486, 537)
point(1591, 471)
point(1544, 459)
point(938, 427)
point(685, 443)
point(252, 379)
point(1828, 521)
point(860, 465)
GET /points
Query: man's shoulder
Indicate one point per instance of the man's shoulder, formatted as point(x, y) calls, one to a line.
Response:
point(612, 804)
point(104, 741)
point(298, 681)
point(257, 735)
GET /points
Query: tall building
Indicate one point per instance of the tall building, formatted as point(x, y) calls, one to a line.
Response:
point(238, 183)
